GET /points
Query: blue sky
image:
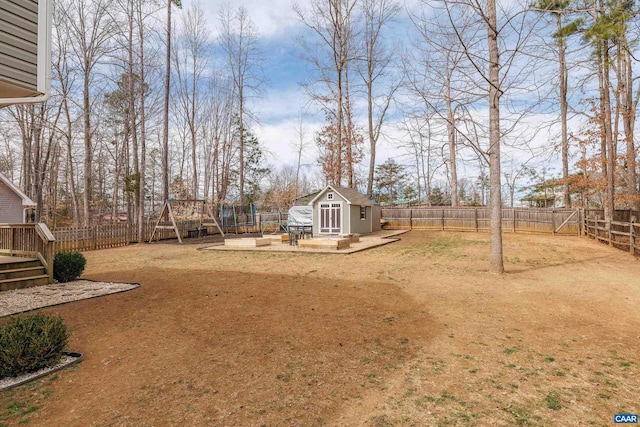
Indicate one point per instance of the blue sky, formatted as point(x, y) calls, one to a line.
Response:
point(284, 99)
point(278, 109)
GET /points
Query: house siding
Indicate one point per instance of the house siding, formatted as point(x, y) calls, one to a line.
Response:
point(11, 209)
point(19, 43)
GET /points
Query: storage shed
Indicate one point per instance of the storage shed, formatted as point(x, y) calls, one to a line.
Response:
point(339, 210)
point(14, 204)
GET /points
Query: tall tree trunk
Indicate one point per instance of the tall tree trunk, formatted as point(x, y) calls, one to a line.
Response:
point(628, 120)
point(372, 142)
point(451, 133)
point(496, 254)
point(241, 147)
point(607, 132)
point(88, 147)
point(133, 78)
point(349, 139)
point(165, 122)
point(143, 129)
point(564, 76)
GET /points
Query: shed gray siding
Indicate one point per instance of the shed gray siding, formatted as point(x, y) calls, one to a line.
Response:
point(19, 47)
point(11, 209)
point(376, 216)
point(351, 201)
point(360, 226)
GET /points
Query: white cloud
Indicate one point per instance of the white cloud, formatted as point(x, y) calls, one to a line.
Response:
point(270, 17)
point(281, 139)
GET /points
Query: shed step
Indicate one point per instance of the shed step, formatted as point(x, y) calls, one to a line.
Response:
point(23, 282)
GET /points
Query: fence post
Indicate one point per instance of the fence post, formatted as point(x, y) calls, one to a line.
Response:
point(475, 218)
point(632, 235)
point(513, 211)
point(442, 219)
point(553, 221)
point(580, 222)
point(410, 219)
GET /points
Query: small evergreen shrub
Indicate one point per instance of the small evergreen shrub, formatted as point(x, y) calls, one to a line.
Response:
point(67, 266)
point(29, 343)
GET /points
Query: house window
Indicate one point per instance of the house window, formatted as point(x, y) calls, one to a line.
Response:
point(329, 196)
point(363, 212)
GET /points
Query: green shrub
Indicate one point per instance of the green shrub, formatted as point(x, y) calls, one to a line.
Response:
point(29, 343)
point(68, 266)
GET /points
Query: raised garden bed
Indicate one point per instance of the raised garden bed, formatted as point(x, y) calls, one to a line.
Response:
point(248, 242)
point(335, 244)
point(276, 238)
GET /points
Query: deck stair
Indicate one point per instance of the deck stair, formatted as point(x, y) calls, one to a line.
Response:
point(18, 273)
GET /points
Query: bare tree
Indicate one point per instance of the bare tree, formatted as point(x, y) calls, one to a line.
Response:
point(167, 93)
point(438, 56)
point(559, 8)
point(374, 66)
point(300, 148)
point(240, 43)
point(422, 147)
point(90, 30)
point(507, 39)
point(37, 124)
point(332, 24)
point(218, 112)
point(190, 64)
point(66, 83)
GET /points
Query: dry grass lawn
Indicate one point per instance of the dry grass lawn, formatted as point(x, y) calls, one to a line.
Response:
point(415, 333)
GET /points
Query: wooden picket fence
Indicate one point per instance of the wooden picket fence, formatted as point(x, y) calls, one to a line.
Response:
point(515, 220)
point(624, 232)
point(111, 235)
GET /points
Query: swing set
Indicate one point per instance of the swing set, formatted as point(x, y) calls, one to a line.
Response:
point(205, 216)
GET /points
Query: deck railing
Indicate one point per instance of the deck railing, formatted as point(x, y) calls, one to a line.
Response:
point(29, 240)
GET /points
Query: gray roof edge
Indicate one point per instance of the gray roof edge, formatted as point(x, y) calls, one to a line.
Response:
point(362, 202)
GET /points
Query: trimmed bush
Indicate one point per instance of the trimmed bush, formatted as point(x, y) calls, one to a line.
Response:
point(30, 343)
point(67, 266)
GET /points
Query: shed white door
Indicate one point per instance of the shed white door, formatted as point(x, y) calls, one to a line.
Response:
point(330, 217)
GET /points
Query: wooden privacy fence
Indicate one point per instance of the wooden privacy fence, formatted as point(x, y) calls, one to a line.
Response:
point(624, 232)
point(518, 220)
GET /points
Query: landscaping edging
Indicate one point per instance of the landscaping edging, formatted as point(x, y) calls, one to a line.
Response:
point(28, 299)
point(69, 358)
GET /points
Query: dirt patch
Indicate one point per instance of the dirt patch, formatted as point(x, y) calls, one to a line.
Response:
point(412, 333)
